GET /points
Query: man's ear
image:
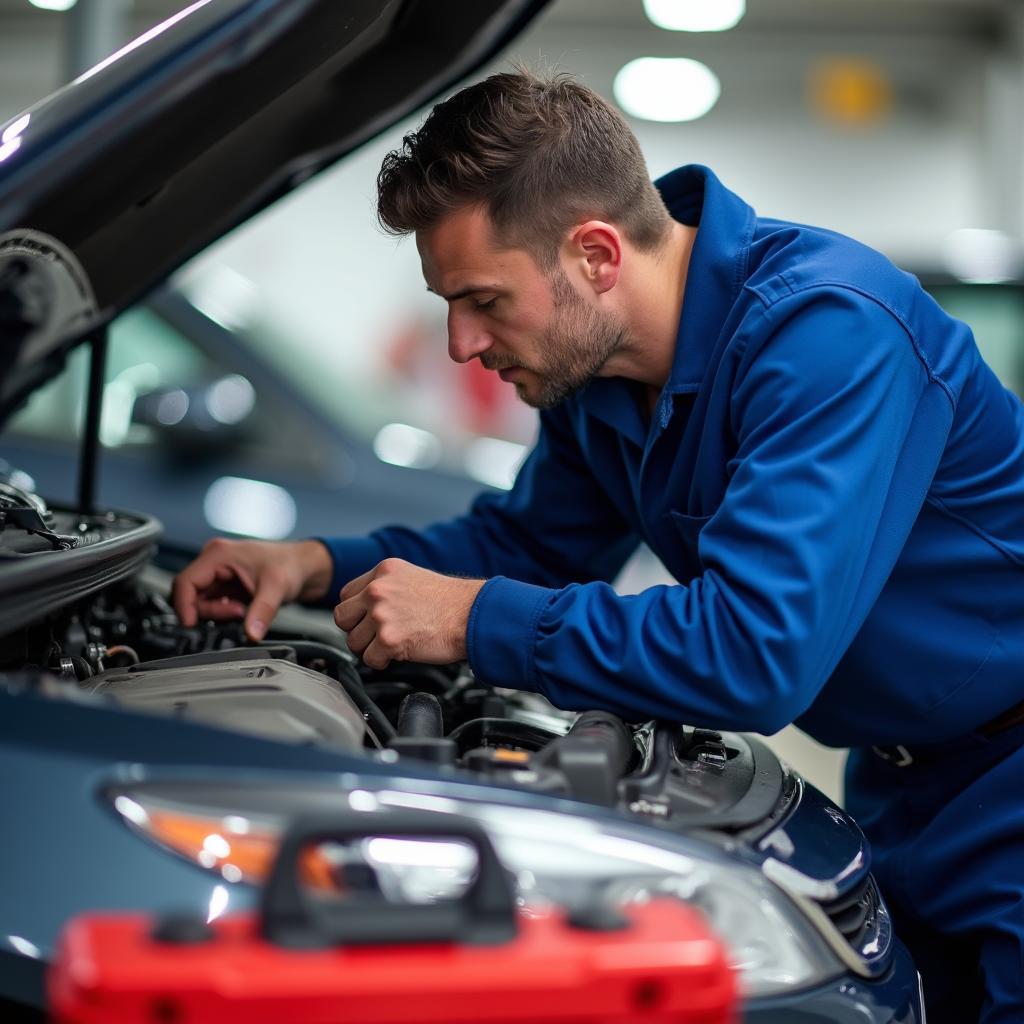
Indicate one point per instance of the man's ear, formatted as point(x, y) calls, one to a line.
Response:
point(595, 249)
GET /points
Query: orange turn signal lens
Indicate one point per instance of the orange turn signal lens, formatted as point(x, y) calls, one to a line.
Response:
point(232, 846)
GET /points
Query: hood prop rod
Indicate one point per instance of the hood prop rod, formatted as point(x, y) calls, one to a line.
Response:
point(91, 430)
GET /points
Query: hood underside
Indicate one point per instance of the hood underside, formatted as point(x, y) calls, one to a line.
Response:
point(145, 160)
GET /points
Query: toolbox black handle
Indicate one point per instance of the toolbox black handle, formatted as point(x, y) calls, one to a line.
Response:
point(484, 913)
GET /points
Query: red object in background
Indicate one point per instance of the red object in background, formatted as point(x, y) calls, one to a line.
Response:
point(664, 966)
point(487, 397)
point(476, 400)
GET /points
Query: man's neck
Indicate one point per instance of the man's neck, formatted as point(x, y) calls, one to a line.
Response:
point(652, 306)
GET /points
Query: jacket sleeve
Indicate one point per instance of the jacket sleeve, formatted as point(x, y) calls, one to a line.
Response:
point(555, 526)
point(839, 427)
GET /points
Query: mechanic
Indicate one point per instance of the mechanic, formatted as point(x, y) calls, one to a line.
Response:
point(812, 447)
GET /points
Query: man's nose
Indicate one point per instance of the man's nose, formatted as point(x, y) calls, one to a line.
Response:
point(466, 340)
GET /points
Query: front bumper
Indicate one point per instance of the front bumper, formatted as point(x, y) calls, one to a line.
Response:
point(894, 998)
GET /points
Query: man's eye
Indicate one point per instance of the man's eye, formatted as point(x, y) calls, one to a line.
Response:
point(486, 305)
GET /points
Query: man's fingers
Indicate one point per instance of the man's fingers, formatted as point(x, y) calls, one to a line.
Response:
point(349, 612)
point(186, 588)
point(375, 656)
point(355, 586)
point(239, 573)
point(220, 609)
point(264, 606)
point(361, 635)
point(208, 590)
point(183, 595)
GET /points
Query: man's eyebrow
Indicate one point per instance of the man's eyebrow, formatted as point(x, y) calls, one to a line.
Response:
point(463, 292)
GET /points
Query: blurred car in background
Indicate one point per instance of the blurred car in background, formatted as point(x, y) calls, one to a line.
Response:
point(201, 428)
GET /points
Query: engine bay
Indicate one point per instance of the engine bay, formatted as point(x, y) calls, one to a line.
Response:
point(125, 645)
point(83, 621)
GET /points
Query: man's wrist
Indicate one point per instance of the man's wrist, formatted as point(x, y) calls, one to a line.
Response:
point(316, 567)
point(469, 589)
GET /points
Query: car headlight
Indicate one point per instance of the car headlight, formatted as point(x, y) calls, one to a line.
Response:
point(557, 857)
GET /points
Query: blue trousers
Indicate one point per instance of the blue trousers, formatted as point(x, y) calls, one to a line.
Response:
point(947, 838)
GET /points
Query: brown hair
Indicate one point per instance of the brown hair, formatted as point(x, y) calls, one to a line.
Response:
point(538, 154)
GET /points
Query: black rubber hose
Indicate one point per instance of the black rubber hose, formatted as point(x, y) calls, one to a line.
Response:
point(420, 717)
point(611, 733)
point(593, 756)
point(594, 729)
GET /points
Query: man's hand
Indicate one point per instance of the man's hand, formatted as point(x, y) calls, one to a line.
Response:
point(401, 612)
point(234, 579)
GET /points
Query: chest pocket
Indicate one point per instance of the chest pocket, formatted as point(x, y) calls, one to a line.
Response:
point(682, 537)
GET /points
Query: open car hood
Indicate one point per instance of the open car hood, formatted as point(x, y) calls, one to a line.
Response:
point(119, 178)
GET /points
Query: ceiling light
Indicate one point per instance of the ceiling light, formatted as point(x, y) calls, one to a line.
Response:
point(666, 88)
point(24, 947)
point(227, 297)
point(218, 903)
point(53, 5)
point(695, 15)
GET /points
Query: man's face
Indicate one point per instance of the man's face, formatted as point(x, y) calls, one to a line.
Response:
point(532, 327)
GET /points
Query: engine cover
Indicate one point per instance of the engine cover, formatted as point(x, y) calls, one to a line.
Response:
point(245, 690)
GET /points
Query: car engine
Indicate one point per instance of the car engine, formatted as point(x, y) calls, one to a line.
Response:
point(121, 642)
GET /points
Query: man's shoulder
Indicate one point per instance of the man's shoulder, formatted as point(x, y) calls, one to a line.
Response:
point(796, 270)
point(787, 258)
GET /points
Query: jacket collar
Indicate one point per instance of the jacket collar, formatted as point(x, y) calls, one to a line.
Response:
point(718, 265)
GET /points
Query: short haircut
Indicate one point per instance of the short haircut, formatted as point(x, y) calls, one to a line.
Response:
point(538, 154)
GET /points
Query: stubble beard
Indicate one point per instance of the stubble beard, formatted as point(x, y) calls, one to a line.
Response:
point(577, 344)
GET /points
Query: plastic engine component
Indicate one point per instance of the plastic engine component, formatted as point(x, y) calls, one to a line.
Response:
point(242, 690)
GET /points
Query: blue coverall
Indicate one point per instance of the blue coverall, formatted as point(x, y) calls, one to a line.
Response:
point(836, 479)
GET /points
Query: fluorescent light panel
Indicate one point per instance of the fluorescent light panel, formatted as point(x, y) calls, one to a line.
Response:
point(666, 88)
point(695, 15)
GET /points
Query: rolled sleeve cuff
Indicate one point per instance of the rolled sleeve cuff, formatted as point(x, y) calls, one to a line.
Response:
point(351, 557)
point(502, 630)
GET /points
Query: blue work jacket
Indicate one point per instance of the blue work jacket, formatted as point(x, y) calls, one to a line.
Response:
point(833, 475)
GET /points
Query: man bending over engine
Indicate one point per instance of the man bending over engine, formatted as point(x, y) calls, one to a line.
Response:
point(814, 449)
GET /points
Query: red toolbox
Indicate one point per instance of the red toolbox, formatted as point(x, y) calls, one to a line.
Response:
point(475, 959)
